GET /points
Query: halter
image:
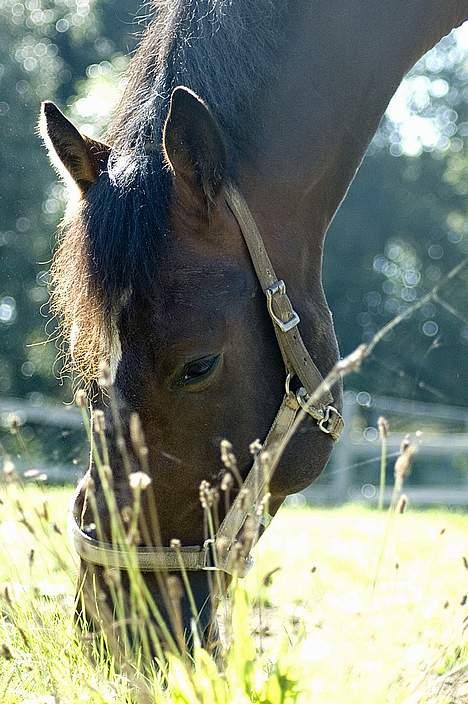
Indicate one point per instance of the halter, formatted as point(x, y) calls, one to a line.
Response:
point(217, 553)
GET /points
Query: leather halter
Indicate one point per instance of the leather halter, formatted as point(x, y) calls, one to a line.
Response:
point(218, 553)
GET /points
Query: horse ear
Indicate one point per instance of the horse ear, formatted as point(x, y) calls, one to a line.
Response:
point(72, 153)
point(193, 143)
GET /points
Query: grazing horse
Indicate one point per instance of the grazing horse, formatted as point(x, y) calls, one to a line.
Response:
point(277, 100)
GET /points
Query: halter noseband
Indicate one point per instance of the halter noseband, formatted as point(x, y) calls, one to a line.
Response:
point(218, 553)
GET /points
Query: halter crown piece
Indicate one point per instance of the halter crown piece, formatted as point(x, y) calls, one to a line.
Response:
point(217, 553)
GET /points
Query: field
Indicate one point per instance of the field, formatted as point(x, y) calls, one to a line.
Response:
point(363, 610)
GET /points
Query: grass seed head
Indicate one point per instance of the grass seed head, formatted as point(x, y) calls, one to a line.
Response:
point(99, 421)
point(112, 577)
point(127, 514)
point(9, 469)
point(265, 466)
point(222, 545)
point(174, 588)
point(7, 595)
point(405, 444)
point(244, 496)
point(121, 445)
point(227, 482)
point(353, 361)
point(402, 504)
point(136, 433)
point(134, 537)
point(14, 423)
point(384, 427)
point(5, 652)
point(263, 505)
point(228, 457)
point(81, 399)
point(255, 447)
point(89, 484)
point(249, 534)
point(105, 377)
point(405, 460)
point(226, 448)
point(207, 495)
point(45, 510)
point(268, 578)
point(107, 473)
point(236, 553)
point(139, 481)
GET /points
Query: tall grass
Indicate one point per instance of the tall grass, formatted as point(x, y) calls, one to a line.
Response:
point(344, 605)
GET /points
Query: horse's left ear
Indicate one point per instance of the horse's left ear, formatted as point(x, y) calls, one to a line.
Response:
point(73, 154)
point(193, 143)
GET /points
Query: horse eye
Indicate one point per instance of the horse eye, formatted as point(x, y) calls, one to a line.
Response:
point(199, 370)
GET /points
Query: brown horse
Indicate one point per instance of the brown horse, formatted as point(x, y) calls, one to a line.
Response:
point(153, 273)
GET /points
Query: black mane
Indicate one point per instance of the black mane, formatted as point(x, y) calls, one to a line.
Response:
point(225, 51)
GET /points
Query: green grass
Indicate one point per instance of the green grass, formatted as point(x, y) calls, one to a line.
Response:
point(343, 620)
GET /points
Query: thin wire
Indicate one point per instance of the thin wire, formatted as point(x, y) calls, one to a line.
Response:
point(358, 464)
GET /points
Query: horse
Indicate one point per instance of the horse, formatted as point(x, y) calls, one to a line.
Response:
point(239, 120)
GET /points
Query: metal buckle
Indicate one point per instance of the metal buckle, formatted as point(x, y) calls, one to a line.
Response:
point(279, 288)
point(209, 561)
point(287, 384)
point(323, 424)
point(322, 416)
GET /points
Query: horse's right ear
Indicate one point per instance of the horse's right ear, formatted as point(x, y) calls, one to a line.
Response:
point(73, 154)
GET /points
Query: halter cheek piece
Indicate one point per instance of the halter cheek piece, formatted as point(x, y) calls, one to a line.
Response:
point(217, 554)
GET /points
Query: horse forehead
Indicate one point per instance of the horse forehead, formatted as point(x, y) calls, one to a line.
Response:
point(185, 277)
point(190, 302)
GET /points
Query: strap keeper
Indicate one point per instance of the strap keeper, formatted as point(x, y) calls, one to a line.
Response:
point(279, 289)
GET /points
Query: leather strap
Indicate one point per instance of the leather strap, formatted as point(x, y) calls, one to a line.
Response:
point(253, 487)
point(149, 559)
point(285, 319)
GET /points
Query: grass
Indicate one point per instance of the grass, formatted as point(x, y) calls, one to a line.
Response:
point(338, 622)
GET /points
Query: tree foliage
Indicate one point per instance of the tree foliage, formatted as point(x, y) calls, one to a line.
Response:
point(403, 225)
point(45, 45)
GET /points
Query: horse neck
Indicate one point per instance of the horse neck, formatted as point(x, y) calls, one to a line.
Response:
point(343, 62)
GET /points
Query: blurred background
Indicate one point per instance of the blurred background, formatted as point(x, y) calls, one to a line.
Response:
point(403, 225)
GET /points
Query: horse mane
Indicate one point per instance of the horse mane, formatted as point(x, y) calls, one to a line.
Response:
point(224, 50)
